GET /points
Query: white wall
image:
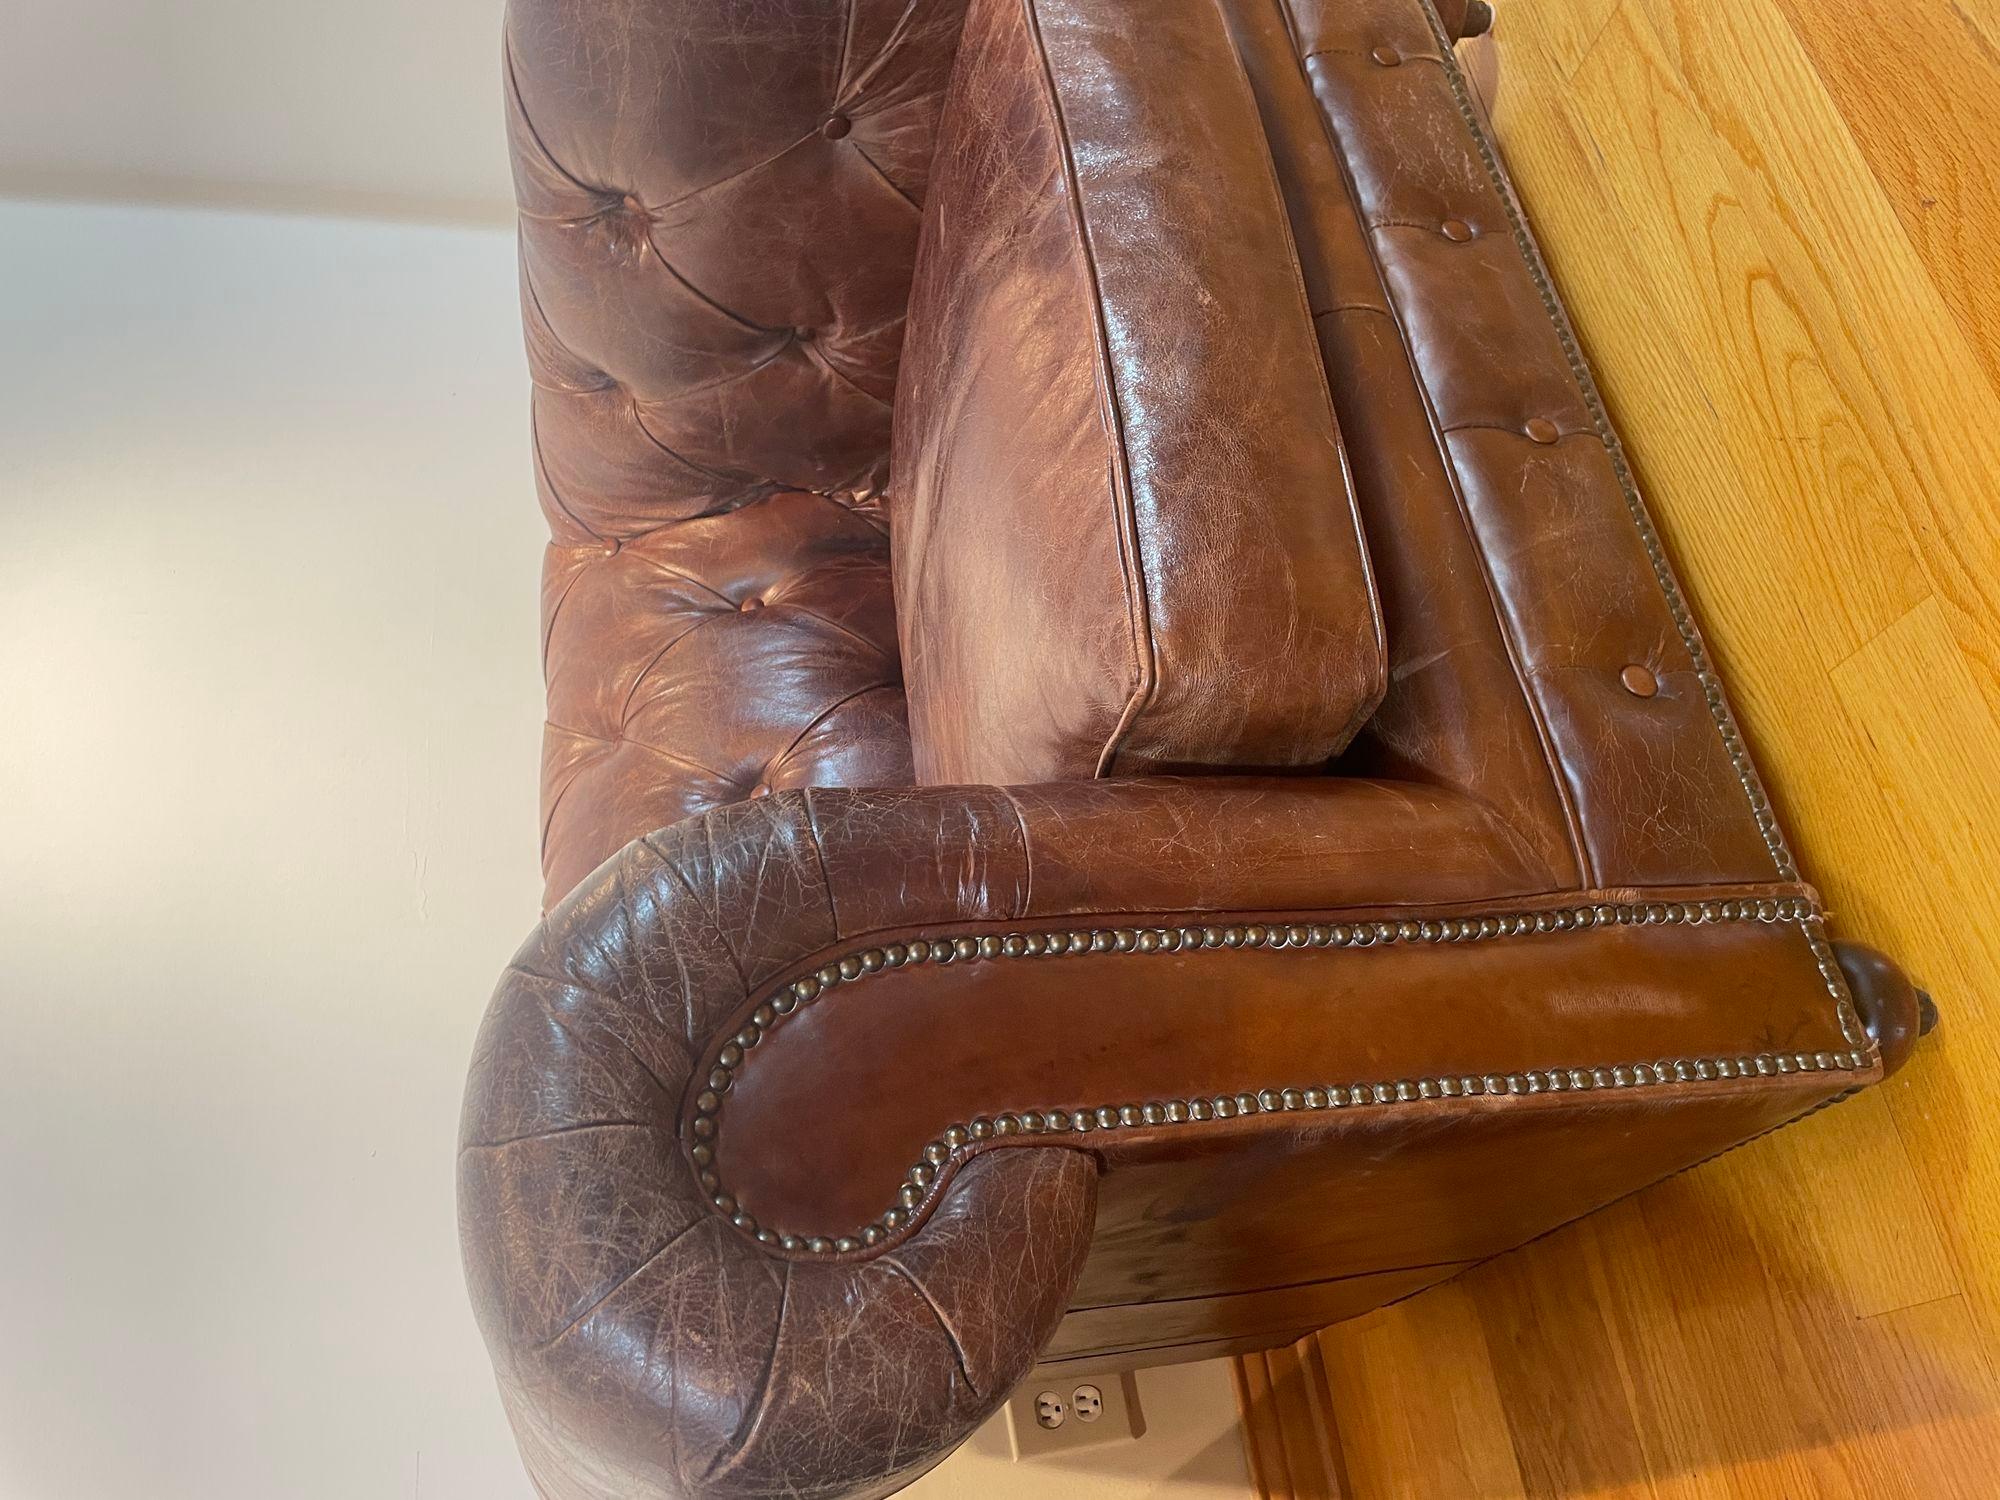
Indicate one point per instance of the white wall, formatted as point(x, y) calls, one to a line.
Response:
point(269, 716)
point(371, 106)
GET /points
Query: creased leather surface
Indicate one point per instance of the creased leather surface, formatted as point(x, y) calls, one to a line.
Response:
point(1493, 459)
point(719, 207)
point(1124, 535)
point(579, 1210)
point(644, 1346)
point(1221, 1022)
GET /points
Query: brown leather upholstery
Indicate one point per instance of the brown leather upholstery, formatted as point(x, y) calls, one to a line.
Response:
point(830, 1104)
point(719, 207)
point(1124, 535)
point(646, 1345)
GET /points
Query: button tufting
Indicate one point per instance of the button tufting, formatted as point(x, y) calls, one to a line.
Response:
point(1456, 230)
point(761, 789)
point(836, 127)
point(612, 546)
point(1542, 430)
point(802, 335)
point(1639, 681)
point(751, 604)
point(1388, 57)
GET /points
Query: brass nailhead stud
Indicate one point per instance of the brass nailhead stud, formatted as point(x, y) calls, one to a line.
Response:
point(836, 127)
point(937, 1154)
point(1639, 681)
point(1456, 230)
point(1542, 430)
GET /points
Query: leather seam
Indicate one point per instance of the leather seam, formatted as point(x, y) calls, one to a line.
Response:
point(828, 712)
point(1377, 673)
point(521, 106)
point(1145, 666)
point(819, 861)
point(1502, 623)
point(887, 181)
point(816, 355)
point(925, 1181)
point(1649, 538)
point(849, 93)
point(1454, 428)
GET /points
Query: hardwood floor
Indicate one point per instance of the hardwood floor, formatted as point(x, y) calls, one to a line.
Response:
point(1776, 225)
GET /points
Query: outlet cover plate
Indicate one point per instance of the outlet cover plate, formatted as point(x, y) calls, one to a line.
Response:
point(1120, 1420)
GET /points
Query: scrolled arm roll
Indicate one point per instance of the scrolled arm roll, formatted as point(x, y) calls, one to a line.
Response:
point(649, 1345)
point(644, 1345)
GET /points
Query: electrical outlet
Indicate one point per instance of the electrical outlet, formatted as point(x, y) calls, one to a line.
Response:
point(1050, 1413)
point(1055, 1414)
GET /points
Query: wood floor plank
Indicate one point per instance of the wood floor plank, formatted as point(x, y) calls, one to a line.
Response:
point(1791, 161)
point(1419, 1410)
point(1933, 747)
point(1563, 33)
point(1795, 391)
point(1687, 431)
point(1874, 58)
point(1880, 1252)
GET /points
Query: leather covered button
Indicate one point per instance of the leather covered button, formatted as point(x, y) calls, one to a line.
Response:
point(836, 127)
point(1542, 430)
point(751, 604)
point(1388, 57)
point(761, 789)
point(1639, 681)
point(1456, 230)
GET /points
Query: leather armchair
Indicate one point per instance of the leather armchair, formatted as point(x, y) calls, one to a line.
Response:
point(892, 1032)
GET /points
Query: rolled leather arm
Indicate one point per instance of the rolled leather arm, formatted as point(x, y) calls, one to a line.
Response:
point(646, 1343)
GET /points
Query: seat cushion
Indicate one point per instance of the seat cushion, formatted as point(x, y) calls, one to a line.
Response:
point(1123, 534)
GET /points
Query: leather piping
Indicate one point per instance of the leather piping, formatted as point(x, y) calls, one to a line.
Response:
point(924, 1183)
point(1503, 625)
point(1366, 710)
point(1145, 652)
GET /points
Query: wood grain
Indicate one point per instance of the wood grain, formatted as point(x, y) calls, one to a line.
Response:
point(1772, 220)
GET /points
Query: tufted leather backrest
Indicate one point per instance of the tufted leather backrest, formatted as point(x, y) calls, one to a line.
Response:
point(719, 208)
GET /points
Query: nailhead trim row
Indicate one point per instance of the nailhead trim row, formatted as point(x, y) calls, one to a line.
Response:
point(924, 1176)
point(1649, 537)
point(1718, 703)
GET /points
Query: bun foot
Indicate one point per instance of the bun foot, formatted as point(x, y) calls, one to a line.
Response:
point(1894, 1011)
